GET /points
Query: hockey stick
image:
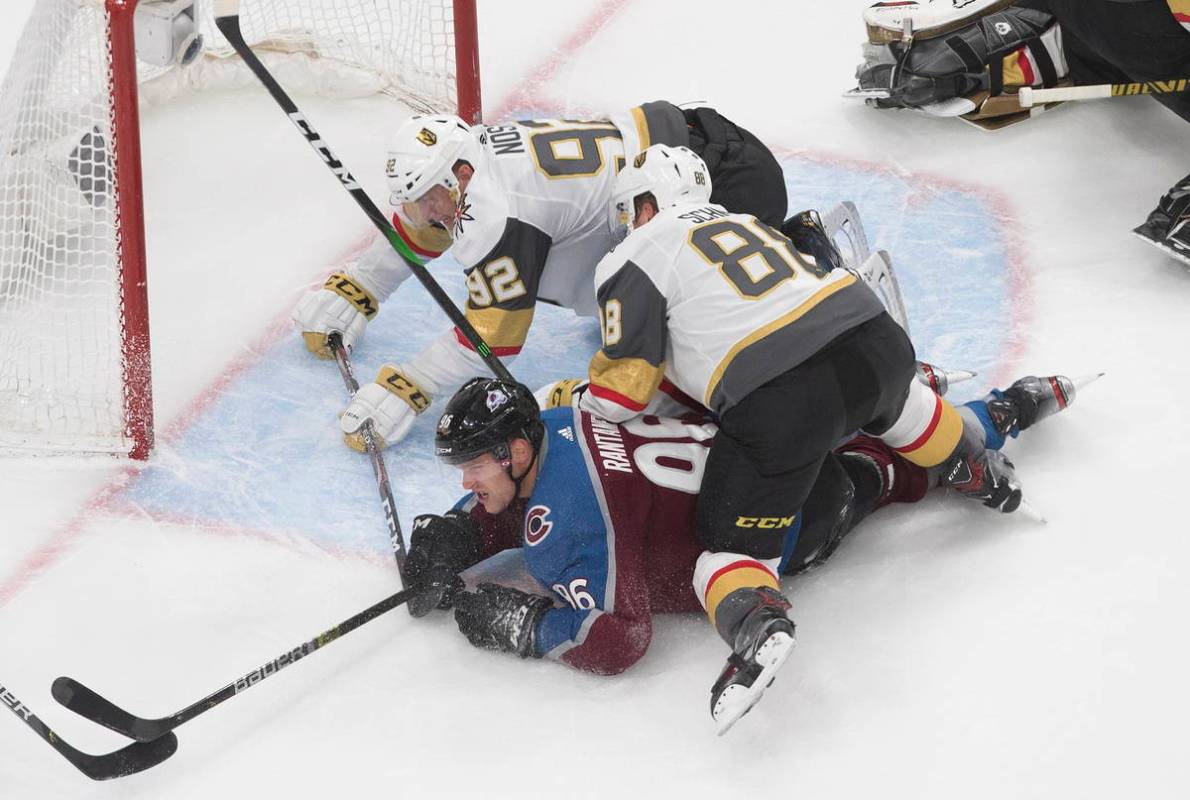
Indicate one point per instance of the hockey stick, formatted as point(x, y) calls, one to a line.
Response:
point(227, 20)
point(335, 340)
point(85, 702)
point(135, 757)
point(1030, 97)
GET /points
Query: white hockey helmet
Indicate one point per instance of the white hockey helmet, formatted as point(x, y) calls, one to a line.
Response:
point(670, 174)
point(423, 153)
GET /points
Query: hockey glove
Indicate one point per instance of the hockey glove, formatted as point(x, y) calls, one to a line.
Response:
point(561, 394)
point(343, 304)
point(501, 618)
point(391, 402)
point(439, 549)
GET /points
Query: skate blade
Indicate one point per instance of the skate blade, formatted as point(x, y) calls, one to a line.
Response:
point(1178, 255)
point(1086, 380)
point(865, 94)
point(737, 700)
point(1032, 513)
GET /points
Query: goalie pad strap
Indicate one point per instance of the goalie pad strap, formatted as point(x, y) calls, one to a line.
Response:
point(964, 51)
point(1041, 56)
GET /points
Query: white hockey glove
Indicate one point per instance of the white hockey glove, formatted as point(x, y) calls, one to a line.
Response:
point(392, 402)
point(561, 393)
point(342, 304)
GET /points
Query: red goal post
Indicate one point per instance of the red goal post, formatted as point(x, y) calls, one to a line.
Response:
point(75, 366)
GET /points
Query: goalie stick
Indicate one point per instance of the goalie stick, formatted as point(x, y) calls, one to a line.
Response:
point(87, 703)
point(127, 760)
point(335, 339)
point(227, 20)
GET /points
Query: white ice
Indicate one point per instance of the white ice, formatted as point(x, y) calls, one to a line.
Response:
point(943, 652)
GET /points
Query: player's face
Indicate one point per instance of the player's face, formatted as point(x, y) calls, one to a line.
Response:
point(435, 206)
point(489, 479)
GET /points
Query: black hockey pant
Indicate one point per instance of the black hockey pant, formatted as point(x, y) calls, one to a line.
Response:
point(770, 446)
point(745, 176)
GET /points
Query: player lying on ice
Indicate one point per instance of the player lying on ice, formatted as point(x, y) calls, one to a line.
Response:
point(965, 59)
point(604, 516)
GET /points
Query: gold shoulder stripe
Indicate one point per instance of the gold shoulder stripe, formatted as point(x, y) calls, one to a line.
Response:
point(500, 327)
point(775, 325)
point(633, 378)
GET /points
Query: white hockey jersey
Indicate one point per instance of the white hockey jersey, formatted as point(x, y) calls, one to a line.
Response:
point(718, 304)
point(532, 226)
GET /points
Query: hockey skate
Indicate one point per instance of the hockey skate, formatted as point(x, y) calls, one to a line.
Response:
point(1168, 225)
point(763, 642)
point(1032, 399)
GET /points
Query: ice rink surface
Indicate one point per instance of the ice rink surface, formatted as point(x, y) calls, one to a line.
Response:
point(943, 652)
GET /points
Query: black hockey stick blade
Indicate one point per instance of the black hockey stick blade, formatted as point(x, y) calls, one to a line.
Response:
point(87, 703)
point(90, 704)
point(128, 760)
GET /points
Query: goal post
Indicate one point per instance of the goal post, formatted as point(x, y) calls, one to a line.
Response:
point(75, 364)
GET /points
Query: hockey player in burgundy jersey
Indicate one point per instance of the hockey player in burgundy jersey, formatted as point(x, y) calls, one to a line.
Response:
point(604, 516)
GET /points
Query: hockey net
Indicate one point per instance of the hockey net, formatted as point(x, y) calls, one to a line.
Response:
point(74, 355)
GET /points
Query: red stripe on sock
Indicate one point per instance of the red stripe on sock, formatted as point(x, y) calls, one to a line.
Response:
point(933, 426)
point(748, 564)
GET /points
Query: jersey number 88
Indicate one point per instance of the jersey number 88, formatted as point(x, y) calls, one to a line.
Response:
point(753, 257)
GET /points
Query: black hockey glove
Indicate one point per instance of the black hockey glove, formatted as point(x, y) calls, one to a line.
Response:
point(809, 237)
point(440, 548)
point(958, 64)
point(501, 618)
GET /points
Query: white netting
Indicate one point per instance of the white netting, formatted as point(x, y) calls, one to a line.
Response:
point(61, 382)
point(333, 47)
point(60, 364)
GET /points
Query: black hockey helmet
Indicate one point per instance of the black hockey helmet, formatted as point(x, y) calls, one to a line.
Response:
point(483, 416)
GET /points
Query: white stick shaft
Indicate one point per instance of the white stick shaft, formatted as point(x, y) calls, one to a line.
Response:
point(1030, 97)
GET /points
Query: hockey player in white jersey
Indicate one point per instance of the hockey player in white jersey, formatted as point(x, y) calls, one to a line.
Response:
point(792, 355)
point(525, 205)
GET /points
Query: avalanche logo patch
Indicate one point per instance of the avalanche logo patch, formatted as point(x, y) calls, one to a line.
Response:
point(537, 525)
point(496, 399)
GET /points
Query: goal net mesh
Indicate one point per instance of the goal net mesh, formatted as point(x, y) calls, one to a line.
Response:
point(62, 308)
